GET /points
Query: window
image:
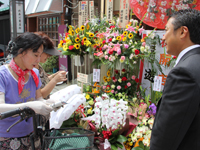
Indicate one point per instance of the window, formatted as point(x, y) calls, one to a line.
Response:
point(49, 25)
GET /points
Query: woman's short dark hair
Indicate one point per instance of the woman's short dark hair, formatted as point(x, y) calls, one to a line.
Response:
point(24, 42)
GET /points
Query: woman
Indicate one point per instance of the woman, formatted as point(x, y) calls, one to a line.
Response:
point(48, 82)
point(19, 88)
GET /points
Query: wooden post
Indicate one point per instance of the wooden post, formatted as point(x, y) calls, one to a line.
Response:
point(102, 8)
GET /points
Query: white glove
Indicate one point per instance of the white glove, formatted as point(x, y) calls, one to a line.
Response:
point(50, 101)
point(39, 107)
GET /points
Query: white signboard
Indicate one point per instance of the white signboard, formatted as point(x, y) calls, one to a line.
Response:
point(82, 77)
point(79, 15)
point(109, 12)
point(157, 83)
point(83, 12)
point(91, 7)
point(19, 17)
point(96, 75)
point(123, 13)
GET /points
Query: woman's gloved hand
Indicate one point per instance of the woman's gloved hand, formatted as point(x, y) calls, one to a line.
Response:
point(39, 107)
point(60, 76)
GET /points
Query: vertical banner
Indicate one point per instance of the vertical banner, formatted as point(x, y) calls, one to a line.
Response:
point(109, 12)
point(79, 15)
point(91, 8)
point(123, 13)
point(63, 64)
point(83, 12)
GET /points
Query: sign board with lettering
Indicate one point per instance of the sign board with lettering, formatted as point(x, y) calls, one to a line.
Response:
point(123, 13)
point(83, 78)
point(20, 16)
point(157, 83)
point(83, 12)
point(91, 8)
point(109, 12)
point(96, 75)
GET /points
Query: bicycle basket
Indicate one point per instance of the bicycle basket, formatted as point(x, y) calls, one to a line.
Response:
point(69, 139)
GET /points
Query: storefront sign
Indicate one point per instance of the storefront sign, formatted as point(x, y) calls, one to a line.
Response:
point(83, 12)
point(91, 7)
point(123, 13)
point(109, 12)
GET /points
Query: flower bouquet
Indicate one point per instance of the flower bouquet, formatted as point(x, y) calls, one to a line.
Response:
point(109, 117)
point(78, 41)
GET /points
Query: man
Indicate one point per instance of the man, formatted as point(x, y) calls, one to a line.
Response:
point(177, 121)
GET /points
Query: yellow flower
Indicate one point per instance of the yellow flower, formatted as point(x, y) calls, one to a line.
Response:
point(59, 45)
point(142, 40)
point(61, 42)
point(124, 39)
point(89, 111)
point(118, 38)
point(91, 35)
point(125, 33)
point(84, 39)
point(130, 35)
point(82, 28)
point(77, 30)
point(87, 96)
point(65, 47)
point(91, 102)
point(127, 25)
point(88, 26)
point(108, 73)
point(71, 32)
point(108, 79)
point(87, 43)
point(77, 39)
point(70, 26)
point(105, 79)
point(77, 46)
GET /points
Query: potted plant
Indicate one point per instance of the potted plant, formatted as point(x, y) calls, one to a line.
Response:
point(51, 65)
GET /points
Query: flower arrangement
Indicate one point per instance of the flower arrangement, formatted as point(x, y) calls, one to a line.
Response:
point(108, 118)
point(121, 86)
point(78, 41)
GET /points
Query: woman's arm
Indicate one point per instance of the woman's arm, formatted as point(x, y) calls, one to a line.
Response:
point(60, 76)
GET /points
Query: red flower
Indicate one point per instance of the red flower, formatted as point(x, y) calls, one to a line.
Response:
point(71, 47)
point(123, 70)
point(82, 42)
point(113, 78)
point(137, 80)
point(125, 86)
point(110, 39)
point(112, 27)
point(116, 71)
point(100, 48)
point(174, 57)
point(103, 42)
point(96, 31)
point(78, 36)
point(64, 41)
point(137, 52)
point(106, 134)
point(110, 52)
point(124, 79)
point(66, 34)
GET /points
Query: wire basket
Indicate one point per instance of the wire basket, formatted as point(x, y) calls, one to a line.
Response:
point(68, 138)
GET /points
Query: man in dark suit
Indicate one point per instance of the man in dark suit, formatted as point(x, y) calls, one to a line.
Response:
point(177, 121)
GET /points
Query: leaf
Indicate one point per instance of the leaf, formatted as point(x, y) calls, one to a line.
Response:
point(121, 139)
point(113, 147)
point(137, 148)
point(67, 53)
point(141, 144)
point(119, 145)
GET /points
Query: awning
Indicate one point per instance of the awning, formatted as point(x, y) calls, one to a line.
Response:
point(37, 6)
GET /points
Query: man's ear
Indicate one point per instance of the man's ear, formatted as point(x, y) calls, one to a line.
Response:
point(184, 31)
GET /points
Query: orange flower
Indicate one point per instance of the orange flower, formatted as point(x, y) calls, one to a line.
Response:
point(137, 143)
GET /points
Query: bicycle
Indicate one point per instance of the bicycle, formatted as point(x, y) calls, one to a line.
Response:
point(53, 139)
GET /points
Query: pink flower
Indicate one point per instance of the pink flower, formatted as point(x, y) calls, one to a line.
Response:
point(119, 51)
point(143, 43)
point(123, 57)
point(104, 87)
point(118, 87)
point(106, 57)
point(128, 84)
point(141, 30)
point(126, 45)
point(110, 58)
point(112, 91)
point(140, 117)
point(133, 77)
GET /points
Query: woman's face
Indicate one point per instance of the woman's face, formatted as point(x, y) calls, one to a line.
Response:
point(30, 59)
point(44, 57)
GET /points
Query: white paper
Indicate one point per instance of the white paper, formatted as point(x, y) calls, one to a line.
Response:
point(157, 83)
point(96, 75)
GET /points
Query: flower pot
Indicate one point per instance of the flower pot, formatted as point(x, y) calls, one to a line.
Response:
point(79, 60)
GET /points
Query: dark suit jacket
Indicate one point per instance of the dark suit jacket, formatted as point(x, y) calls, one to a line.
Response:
point(177, 121)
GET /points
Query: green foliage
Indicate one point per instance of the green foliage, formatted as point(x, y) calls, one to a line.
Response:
point(52, 62)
